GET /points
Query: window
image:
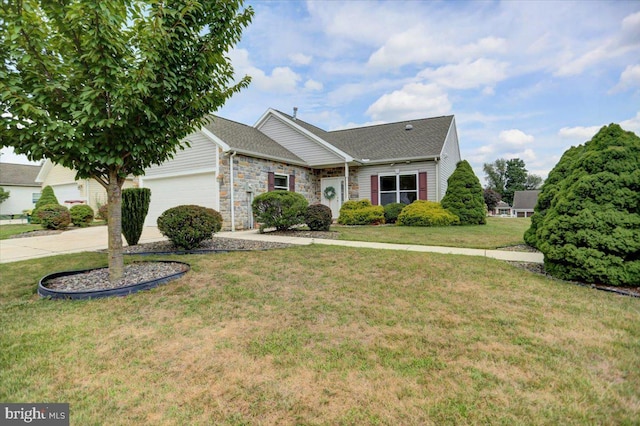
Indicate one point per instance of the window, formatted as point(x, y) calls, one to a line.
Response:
point(35, 196)
point(398, 188)
point(281, 182)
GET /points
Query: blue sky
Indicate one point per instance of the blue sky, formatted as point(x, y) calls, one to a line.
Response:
point(524, 79)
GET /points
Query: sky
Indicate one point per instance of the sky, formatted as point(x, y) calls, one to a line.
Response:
point(524, 79)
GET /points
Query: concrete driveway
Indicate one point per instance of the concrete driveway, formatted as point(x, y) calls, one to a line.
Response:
point(72, 241)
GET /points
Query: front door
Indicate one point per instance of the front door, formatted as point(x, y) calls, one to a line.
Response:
point(332, 194)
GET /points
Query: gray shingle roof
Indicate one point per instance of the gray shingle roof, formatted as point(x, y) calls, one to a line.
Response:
point(249, 140)
point(525, 200)
point(18, 174)
point(388, 141)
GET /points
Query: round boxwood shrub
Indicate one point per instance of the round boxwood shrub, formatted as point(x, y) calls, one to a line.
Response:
point(54, 216)
point(189, 225)
point(391, 212)
point(279, 209)
point(81, 215)
point(361, 213)
point(590, 230)
point(47, 197)
point(426, 213)
point(464, 196)
point(318, 217)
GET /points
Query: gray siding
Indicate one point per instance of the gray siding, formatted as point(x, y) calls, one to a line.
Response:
point(364, 176)
point(200, 157)
point(450, 157)
point(301, 145)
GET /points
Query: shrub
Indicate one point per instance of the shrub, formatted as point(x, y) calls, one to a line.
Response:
point(54, 216)
point(81, 215)
point(426, 213)
point(47, 197)
point(103, 212)
point(187, 226)
point(135, 205)
point(279, 209)
point(318, 217)
point(391, 212)
point(588, 224)
point(361, 213)
point(464, 196)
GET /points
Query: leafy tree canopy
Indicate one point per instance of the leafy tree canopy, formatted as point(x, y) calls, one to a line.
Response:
point(508, 176)
point(588, 223)
point(464, 196)
point(109, 88)
point(491, 198)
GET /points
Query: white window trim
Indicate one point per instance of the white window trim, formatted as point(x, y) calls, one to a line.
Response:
point(397, 174)
point(281, 188)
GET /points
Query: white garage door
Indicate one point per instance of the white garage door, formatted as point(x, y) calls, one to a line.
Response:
point(200, 189)
point(68, 192)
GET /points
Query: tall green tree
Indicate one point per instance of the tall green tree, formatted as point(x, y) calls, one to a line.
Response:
point(515, 179)
point(496, 175)
point(464, 196)
point(109, 88)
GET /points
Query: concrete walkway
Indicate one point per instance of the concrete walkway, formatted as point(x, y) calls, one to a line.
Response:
point(95, 238)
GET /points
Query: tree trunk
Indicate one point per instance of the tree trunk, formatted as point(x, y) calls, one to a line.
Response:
point(114, 197)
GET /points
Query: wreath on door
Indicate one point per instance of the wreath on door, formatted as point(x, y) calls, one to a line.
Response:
point(329, 193)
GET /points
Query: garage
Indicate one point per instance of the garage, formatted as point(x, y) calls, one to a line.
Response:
point(199, 189)
point(68, 194)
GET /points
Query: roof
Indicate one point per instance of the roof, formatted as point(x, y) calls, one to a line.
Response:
point(501, 205)
point(18, 174)
point(525, 200)
point(425, 138)
point(249, 140)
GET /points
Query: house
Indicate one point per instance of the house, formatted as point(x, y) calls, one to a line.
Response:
point(228, 163)
point(502, 209)
point(70, 191)
point(524, 202)
point(20, 181)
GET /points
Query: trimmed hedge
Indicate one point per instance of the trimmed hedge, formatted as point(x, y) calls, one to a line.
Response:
point(361, 213)
point(318, 217)
point(189, 225)
point(46, 198)
point(135, 205)
point(54, 216)
point(391, 212)
point(279, 209)
point(426, 213)
point(81, 215)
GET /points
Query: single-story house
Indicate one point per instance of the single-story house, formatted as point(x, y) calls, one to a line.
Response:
point(70, 191)
point(20, 181)
point(524, 202)
point(229, 163)
point(502, 209)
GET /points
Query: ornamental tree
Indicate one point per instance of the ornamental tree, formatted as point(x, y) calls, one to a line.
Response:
point(464, 196)
point(589, 227)
point(110, 88)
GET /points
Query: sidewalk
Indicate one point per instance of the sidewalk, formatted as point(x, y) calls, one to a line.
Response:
point(95, 238)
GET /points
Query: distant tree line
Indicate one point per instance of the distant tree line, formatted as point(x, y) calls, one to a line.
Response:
point(504, 178)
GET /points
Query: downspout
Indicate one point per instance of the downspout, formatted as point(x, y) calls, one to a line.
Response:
point(231, 191)
point(437, 160)
point(346, 183)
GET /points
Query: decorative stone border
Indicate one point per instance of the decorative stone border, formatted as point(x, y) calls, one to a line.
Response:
point(43, 291)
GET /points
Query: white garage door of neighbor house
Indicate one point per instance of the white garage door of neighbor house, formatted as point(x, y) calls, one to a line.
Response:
point(67, 192)
point(201, 189)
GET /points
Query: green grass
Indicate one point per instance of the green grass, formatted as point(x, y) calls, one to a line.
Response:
point(325, 335)
point(7, 231)
point(498, 232)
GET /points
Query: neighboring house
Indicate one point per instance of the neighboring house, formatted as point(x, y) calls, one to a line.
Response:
point(20, 181)
point(70, 191)
point(524, 203)
point(502, 209)
point(229, 163)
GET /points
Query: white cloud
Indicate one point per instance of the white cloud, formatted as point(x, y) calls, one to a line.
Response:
point(632, 125)
point(300, 59)
point(313, 85)
point(467, 74)
point(281, 79)
point(579, 132)
point(412, 101)
point(629, 79)
point(515, 137)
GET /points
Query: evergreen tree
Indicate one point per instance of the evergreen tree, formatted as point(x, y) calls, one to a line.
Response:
point(464, 196)
point(135, 206)
point(591, 230)
point(46, 197)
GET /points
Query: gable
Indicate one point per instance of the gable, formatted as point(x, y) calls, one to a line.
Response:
point(525, 200)
point(201, 156)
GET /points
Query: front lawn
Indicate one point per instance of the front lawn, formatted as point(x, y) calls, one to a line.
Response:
point(7, 231)
point(325, 335)
point(498, 232)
